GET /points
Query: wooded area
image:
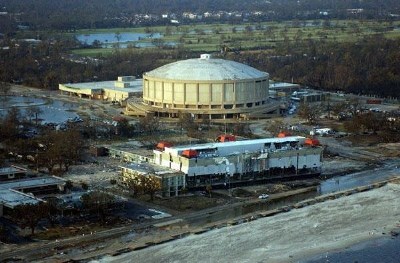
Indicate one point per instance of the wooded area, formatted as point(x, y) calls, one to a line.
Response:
point(370, 66)
point(356, 55)
point(73, 14)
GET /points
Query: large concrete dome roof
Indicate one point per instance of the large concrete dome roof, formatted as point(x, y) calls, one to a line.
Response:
point(206, 68)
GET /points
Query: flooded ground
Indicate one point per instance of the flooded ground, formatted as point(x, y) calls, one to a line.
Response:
point(123, 39)
point(53, 111)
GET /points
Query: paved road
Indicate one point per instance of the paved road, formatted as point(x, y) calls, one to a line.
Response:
point(347, 151)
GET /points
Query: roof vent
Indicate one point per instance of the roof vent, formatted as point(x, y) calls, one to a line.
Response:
point(205, 56)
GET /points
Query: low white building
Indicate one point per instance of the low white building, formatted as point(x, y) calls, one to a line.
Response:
point(117, 91)
point(27, 191)
point(241, 161)
point(172, 181)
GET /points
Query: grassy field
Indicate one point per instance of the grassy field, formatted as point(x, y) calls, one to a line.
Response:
point(269, 35)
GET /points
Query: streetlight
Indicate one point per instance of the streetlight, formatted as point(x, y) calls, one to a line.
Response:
point(227, 178)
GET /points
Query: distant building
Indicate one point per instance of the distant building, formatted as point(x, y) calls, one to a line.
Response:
point(12, 173)
point(126, 154)
point(206, 88)
point(117, 91)
point(282, 89)
point(220, 163)
point(240, 161)
point(307, 97)
point(27, 191)
point(172, 181)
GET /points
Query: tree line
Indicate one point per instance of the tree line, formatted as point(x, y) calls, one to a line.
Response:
point(48, 63)
point(48, 148)
point(356, 118)
point(370, 66)
point(73, 14)
point(96, 203)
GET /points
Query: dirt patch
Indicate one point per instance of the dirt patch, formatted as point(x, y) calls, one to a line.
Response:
point(63, 232)
point(337, 165)
point(387, 149)
point(263, 189)
point(187, 203)
point(364, 140)
point(96, 174)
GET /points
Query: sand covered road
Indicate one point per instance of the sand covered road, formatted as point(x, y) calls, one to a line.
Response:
point(287, 237)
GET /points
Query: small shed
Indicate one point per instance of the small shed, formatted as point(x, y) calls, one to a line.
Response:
point(190, 153)
point(98, 151)
point(311, 142)
point(283, 134)
point(161, 145)
point(226, 138)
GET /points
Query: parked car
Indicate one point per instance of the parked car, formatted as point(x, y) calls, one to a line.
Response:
point(263, 196)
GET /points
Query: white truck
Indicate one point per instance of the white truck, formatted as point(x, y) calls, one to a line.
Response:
point(321, 131)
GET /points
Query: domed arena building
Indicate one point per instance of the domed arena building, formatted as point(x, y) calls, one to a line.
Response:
point(206, 88)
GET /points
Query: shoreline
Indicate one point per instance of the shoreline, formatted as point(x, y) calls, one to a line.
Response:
point(362, 240)
point(359, 250)
point(288, 237)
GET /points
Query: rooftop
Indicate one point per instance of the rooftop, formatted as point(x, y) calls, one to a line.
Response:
point(11, 197)
point(134, 85)
point(31, 182)
point(282, 85)
point(206, 68)
point(146, 168)
point(11, 170)
point(234, 143)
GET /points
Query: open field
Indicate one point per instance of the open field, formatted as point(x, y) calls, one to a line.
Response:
point(267, 35)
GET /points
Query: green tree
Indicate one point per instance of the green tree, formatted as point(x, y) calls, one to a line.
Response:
point(98, 202)
point(60, 148)
point(248, 30)
point(3, 233)
point(124, 128)
point(9, 128)
point(209, 190)
point(144, 184)
point(151, 185)
point(149, 124)
point(29, 215)
point(4, 91)
point(68, 185)
point(158, 42)
point(33, 112)
point(309, 112)
point(275, 127)
point(168, 30)
point(52, 210)
point(186, 121)
point(354, 106)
